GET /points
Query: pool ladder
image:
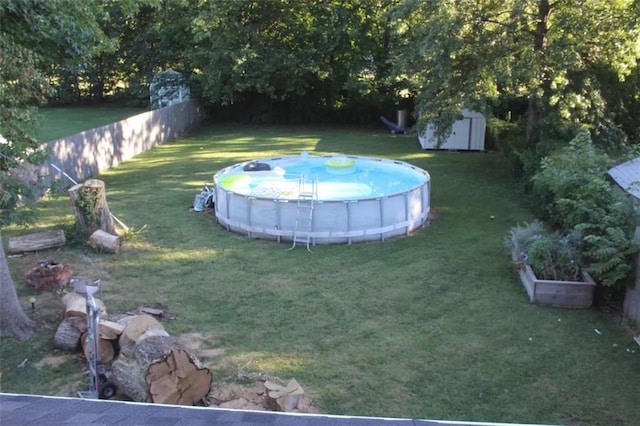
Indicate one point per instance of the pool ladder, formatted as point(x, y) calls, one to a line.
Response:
point(307, 196)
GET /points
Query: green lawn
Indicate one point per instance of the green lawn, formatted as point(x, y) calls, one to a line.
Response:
point(59, 122)
point(434, 325)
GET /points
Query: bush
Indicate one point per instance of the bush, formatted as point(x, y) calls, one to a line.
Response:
point(576, 195)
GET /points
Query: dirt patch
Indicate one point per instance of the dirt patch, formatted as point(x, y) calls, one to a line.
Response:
point(254, 396)
point(235, 396)
point(249, 394)
point(52, 361)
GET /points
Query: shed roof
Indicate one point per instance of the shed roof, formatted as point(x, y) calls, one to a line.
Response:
point(627, 175)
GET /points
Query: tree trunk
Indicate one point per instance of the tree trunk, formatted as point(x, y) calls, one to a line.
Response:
point(90, 207)
point(12, 317)
point(534, 109)
point(533, 120)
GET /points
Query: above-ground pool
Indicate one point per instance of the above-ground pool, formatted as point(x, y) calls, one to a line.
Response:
point(322, 200)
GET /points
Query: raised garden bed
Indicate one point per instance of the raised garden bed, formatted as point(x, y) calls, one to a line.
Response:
point(577, 294)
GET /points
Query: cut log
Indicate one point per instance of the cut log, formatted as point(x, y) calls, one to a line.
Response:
point(288, 399)
point(282, 398)
point(75, 305)
point(136, 327)
point(68, 334)
point(105, 348)
point(110, 330)
point(160, 370)
point(90, 207)
point(178, 380)
point(37, 241)
point(125, 374)
point(104, 242)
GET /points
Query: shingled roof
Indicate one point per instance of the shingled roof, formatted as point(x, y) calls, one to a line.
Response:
point(34, 410)
point(627, 175)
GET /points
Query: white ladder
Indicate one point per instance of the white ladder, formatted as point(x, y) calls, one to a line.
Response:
point(307, 196)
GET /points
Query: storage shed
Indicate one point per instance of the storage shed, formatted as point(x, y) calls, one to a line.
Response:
point(627, 176)
point(467, 134)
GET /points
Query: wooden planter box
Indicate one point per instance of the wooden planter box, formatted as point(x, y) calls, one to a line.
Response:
point(576, 294)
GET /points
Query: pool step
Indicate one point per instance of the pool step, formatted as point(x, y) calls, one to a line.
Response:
point(307, 195)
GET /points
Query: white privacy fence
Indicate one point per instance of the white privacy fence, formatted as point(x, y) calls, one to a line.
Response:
point(88, 153)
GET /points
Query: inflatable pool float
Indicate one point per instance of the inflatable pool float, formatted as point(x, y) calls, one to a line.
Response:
point(340, 162)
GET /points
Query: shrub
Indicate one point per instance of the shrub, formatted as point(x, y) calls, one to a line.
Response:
point(577, 196)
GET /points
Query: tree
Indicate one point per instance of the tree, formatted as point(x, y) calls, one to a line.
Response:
point(21, 87)
point(33, 35)
point(12, 317)
point(64, 34)
point(548, 53)
point(298, 60)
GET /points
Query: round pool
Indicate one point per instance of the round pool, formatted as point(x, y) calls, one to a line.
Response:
point(333, 199)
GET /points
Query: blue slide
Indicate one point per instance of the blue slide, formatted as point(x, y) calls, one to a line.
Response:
point(393, 127)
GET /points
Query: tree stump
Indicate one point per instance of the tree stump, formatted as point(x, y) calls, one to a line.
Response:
point(90, 207)
point(161, 371)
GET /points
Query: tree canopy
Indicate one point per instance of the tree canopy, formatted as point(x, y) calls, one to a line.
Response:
point(561, 58)
point(548, 63)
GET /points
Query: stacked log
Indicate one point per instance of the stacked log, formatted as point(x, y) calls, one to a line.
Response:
point(72, 331)
point(143, 360)
point(154, 367)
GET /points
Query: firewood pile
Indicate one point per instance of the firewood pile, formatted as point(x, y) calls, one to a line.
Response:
point(48, 275)
point(141, 358)
point(290, 398)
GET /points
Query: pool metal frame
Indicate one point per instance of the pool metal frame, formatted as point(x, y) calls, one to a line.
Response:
point(333, 221)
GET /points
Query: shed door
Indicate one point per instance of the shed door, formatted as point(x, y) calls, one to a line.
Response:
point(460, 137)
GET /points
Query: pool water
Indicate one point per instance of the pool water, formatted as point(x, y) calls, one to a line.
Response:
point(359, 178)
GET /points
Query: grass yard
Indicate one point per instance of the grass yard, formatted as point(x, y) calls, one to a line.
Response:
point(434, 325)
point(59, 122)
